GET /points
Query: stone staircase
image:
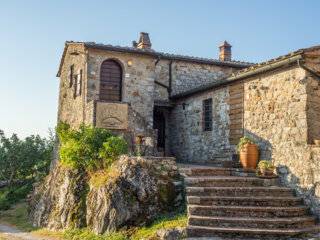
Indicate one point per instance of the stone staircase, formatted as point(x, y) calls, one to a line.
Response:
point(230, 203)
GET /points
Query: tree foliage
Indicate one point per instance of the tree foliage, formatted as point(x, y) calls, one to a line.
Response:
point(88, 147)
point(24, 159)
point(22, 162)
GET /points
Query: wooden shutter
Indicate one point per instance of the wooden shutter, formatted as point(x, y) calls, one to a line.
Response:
point(110, 81)
point(71, 72)
point(236, 94)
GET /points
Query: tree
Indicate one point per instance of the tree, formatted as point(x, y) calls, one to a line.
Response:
point(24, 160)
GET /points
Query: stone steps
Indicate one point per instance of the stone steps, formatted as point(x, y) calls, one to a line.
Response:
point(239, 191)
point(245, 222)
point(223, 181)
point(245, 211)
point(258, 233)
point(244, 201)
point(233, 204)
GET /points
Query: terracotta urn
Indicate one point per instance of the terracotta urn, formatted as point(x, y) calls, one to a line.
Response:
point(249, 155)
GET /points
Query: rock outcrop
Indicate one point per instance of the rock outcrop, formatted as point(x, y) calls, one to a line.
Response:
point(59, 202)
point(136, 192)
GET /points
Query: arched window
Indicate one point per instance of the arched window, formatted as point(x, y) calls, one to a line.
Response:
point(110, 81)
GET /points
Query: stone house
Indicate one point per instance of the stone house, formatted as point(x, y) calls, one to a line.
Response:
point(196, 109)
point(129, 89)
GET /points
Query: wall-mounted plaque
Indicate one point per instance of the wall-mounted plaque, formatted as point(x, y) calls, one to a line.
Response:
point(112, 115)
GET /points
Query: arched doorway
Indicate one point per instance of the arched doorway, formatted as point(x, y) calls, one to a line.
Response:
point(110, 81)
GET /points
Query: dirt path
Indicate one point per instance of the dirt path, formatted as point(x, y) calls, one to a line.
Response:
point(8, 232)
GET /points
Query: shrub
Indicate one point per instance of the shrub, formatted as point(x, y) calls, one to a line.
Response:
point(88, 148)
point(13, 194)
point(112, 148)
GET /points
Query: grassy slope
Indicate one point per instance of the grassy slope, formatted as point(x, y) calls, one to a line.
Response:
point(17, 216)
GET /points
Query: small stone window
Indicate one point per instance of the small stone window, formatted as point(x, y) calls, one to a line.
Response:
point(71, 75)
point(207, 114)
point(78, 84)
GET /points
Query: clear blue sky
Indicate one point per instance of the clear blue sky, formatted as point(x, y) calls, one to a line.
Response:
point(33, 35)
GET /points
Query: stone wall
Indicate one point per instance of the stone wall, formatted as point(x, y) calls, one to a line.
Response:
point(190, 75)
point(137, 84)
point(275, 115)
point(137, 91)
point(313, 108)
point(188, 141)
point(72, 109)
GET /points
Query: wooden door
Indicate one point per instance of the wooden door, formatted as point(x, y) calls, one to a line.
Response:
point(110, 81)
point(159, 123)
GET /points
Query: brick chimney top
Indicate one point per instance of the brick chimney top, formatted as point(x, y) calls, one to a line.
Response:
point(144, 41)
point(225, 51)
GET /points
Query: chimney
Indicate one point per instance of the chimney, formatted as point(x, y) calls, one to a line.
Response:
point(225, 51)
point(144, 41)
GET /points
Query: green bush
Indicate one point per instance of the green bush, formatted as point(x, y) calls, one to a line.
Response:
point(13, 194)
point(88, 147)
point(112, 148)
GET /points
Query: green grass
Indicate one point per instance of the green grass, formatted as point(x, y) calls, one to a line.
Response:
point(17, 216)
point(85, 234)
point(146, 233)
point(149, 232)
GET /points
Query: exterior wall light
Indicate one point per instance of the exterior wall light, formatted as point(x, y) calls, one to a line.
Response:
point(129, 63)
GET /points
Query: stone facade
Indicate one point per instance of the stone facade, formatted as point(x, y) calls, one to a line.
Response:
point(71, 109)
point(187, 76)
point(188, 141)
point(278, 116)
point(147, 81)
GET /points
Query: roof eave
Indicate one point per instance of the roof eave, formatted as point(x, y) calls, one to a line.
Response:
point(168, 57)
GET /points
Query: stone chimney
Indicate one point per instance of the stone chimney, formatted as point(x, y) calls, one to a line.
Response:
point(225, 51)
point(144, 41)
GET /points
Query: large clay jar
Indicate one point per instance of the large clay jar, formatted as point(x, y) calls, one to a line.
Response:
point(249, 155)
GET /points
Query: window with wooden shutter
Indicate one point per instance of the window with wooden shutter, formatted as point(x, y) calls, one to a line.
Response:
point(110, 81)
point(207, 114)
point(71, 75)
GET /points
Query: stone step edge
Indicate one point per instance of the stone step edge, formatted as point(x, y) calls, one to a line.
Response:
point(257, 231)
point(215, 168)
point(255, 208)
point(266, 198)
point(258, 188)
point(222, 179)
point(256, 219)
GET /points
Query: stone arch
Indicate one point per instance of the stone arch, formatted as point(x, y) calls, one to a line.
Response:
point(111, 73)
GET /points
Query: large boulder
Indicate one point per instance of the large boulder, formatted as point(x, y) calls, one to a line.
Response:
point(138, 192)
point(135, 193)
point(59, 202)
